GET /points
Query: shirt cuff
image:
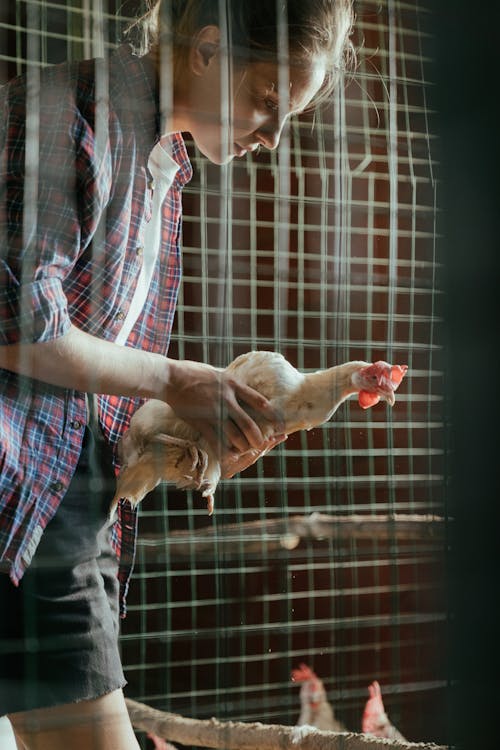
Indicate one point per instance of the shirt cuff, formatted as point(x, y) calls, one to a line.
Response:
point(33, 313)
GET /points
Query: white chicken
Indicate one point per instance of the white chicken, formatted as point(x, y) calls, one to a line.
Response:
point(161, 447)
point(375, 720)
point(315, 710)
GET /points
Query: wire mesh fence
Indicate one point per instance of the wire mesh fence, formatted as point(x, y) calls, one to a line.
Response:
point(324, 250)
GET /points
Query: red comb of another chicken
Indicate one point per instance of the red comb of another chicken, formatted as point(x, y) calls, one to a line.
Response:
point(303, 673)
point(374, 712)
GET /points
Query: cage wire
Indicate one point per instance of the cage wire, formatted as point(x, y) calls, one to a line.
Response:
point(324, 250)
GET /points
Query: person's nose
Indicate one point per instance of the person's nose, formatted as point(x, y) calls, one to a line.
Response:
point(269, 135)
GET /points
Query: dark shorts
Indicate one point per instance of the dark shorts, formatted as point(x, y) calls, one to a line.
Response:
point(59, 628)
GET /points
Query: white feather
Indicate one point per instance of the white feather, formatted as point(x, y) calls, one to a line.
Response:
point(161, 447)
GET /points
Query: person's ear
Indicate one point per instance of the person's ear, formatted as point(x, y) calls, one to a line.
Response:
point(204, 49)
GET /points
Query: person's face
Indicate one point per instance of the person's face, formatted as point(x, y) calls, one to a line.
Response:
point(228, 119)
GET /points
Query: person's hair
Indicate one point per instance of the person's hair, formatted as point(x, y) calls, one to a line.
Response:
point(254, 30)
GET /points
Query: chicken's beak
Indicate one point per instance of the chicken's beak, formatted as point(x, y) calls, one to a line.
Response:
point(386, 388)
point(390, 398)
point(391, 381)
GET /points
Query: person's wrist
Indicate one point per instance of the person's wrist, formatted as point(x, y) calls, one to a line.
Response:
point(170, 376)
point(160, 376)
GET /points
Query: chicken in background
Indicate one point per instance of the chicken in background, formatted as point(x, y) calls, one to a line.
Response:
point(315, 710)
point(375, 720)
point(159, 446)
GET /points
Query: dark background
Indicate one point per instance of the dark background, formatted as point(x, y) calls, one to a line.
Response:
point(465, 97)
point(350, 633)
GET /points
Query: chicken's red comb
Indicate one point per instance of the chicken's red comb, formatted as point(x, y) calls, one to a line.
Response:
point(382, 369)
point(374, 690)
point(303, 673)
point(398, 372)
point(374, 709)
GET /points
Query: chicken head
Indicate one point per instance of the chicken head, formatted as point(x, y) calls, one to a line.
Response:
point(378, 381)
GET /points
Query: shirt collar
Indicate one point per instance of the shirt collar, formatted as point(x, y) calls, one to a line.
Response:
point(180, 155)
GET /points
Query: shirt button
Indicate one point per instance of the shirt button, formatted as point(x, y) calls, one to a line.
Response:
point(76, 424)
point(120, 315)
point(151, 184)
point(57, 486)
point(139, 251)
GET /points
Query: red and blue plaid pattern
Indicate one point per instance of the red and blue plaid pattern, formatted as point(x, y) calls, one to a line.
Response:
point(74, 200)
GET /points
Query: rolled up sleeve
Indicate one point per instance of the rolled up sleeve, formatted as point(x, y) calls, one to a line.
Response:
point(33, 313)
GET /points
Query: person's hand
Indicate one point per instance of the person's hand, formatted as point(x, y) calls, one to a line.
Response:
point(219, 407)
point(232, 463)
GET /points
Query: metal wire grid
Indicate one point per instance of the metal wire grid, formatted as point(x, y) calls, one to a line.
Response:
point(350, 273)
point(38, 32)
point(324, 250)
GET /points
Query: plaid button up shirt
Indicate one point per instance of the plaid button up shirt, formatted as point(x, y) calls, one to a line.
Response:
point(75, 196)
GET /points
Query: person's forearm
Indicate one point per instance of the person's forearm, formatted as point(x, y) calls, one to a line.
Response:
point(211, 400)
point(83, 362)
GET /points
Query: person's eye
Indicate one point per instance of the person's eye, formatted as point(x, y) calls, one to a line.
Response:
point(271, 104)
